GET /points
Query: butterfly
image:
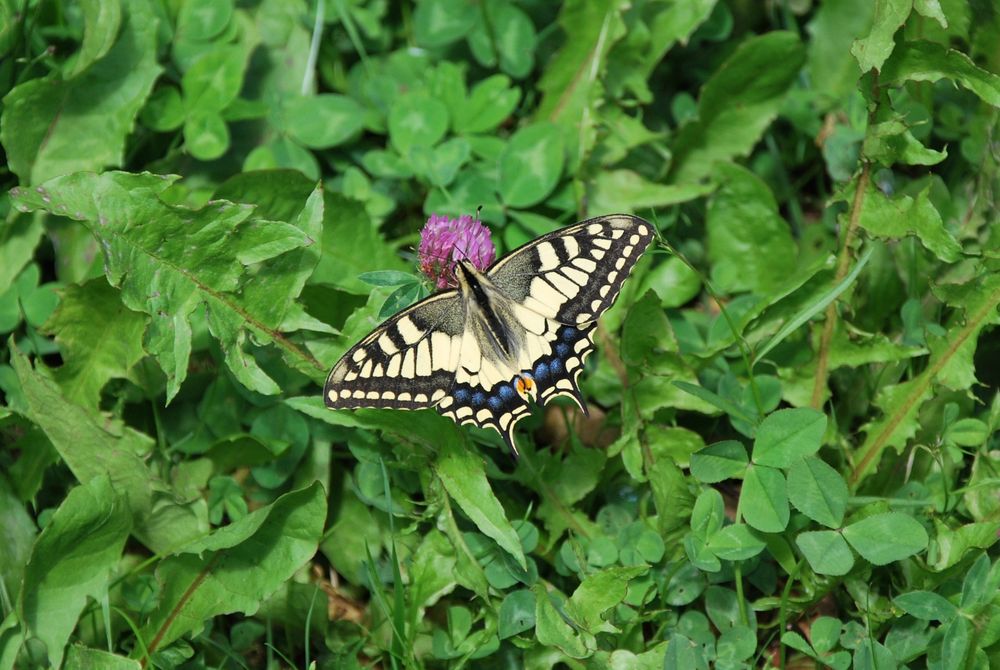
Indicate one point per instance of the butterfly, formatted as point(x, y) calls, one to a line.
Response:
point(514, 333)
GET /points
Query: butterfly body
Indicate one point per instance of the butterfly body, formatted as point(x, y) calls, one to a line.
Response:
point(516, 333)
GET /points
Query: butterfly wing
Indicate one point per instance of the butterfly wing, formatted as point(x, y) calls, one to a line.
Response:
point(574, 275)
point(408, 362)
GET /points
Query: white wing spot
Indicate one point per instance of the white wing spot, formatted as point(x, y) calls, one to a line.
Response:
point(404, 396)
point(332, 395)
point(408, 330)
point(388, 346)
point(585, 264)
point(389, 395)
point(484, 415)
point(547, 256)
point(408, 368)
point(350, 376)
point(571, 245)
point(565, 286)
point(378, 371)
point(420, 397)
point(620, 263)
point(463, 412)
point(583, 317)
point(366, 370)
point(643, 230)
point(372, 395)
point(423, 358)
point(611, 277)
point(602, 243)
point(437, 395)
point(603, 291)
point(616, 233)
point(543, 293)
point(634, 240)
point(577, 276)
point(595, 229)
point(359, 394)
point(597, 253)
point(595, 305)
point(393, 370)
point(359, 355)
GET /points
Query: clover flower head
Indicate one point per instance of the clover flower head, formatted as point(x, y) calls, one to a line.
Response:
point(445, 241)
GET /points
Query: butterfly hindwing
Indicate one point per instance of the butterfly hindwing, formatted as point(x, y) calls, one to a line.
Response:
point(573, 275)
point(408, 362)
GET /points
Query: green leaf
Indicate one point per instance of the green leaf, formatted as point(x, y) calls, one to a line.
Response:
point(599, 592)
point(437, 23)
point(201, 20)
point(551, 628)
point(955, 643)
point(735, 542)
point(490, 102)
point(929, 61)
point(84, 658)
point(826, 551)
point(625, 190)
point(517, 613)
point(872, 50)
point(887, 537)
point(505, 35)
point(572, 80)
point(401, 298)
point(101, 22)
point(236, 567)
point(891, 142)
point(92, 353)
point(213, 80)
point(51, 127)
point(71, 561)
point(749, 244)
point(818, 491)
point(719, 461)
point(764, 499)
point(737, 103)
point(94, 446)
point(833, 71)
point(464, 479)
point(324, 121)
point(388, 278)
point(787, 435)
point(351, 247)
point(164, 110)
point(531, 165)
point(417, 120)
point(19, 235)
point(926, 605)
point(206, 135)
point(175, 260)
point(901, 216)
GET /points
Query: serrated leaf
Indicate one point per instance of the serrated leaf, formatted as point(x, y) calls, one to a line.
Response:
point(175, 260)
point(872, 50)
point(901, 216)
point(51, 127)
point(930, 61)
point(93, 354)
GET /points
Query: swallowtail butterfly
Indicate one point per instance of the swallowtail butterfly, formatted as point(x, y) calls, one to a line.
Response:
point(518, 331)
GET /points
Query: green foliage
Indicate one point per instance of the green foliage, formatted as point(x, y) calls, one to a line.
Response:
point(791, 458)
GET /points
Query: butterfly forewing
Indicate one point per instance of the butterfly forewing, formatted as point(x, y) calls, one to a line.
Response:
point(408, 362)
point(573, 275)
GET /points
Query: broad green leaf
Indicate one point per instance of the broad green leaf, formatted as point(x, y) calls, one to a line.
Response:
point(928, 61)
point(625, 190)
point(551, 627)
point(164, 109)
point(323, 121)
point(388, 278)
point(417, 120)
point(52, 127)
point(597, 593)
point(826, 551)
point(736, 644)
point(201, 20)
point(958, 368)
point(818, 491)
point(887, 537)
point(683, 654)
point(517, 613)
point(872, 50)
point(505, 35)
point(206, 135)
point(833, 71)
point(737, 103)
point(764, 499)
point(531, 165)
point(177, 260)
point(958, 635)
point(437, 23)
point(735, 542)
point(489, 102)
point(749, 244)
point(787, 435)
point(720, 461)
point(236, 567)
point(431, 573)
point(355, 526)
point(891, 142)
point(571, 84)
point(872, 655)
point(18, 529)
point(101, 22)
point(926, 605)
point(978, 298)
point(464, 479)
point(673, 22)
point(213, 80)
point(71, 561)
point(94, 446)
point(92, 353)
point(85, 658)
point(901, 216)
point(19, 236)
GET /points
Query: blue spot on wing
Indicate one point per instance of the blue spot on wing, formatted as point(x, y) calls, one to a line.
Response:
point(506, 392)
point(495, 403)
point(461, 396)
point(541, 371)
point(478, 399)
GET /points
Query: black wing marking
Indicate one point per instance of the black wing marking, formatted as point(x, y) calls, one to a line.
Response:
point(408, 362)
point(574, 275)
